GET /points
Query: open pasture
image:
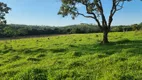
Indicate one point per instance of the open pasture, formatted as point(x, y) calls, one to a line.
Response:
point(73, 57)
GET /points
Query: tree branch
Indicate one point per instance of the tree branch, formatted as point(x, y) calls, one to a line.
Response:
point(85, 15)
point(100, 9)
point(95, 17)
point(114, 9)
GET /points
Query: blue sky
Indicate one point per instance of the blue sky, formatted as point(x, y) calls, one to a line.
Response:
point(44, 12)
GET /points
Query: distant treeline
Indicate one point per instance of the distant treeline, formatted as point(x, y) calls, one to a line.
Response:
point(14, 30)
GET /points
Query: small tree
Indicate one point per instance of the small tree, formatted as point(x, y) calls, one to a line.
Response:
point(4, 9)
point(94, 10)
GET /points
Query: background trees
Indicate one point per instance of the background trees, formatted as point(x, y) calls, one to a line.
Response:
point(14, 30)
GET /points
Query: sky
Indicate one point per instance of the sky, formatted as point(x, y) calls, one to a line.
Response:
point(44, 12)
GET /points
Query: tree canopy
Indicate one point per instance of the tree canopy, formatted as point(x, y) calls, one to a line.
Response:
point(4, 9)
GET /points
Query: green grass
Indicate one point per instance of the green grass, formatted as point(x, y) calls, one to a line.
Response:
point(73, 57)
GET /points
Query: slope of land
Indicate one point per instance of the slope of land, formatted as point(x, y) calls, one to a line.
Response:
point(73, 57)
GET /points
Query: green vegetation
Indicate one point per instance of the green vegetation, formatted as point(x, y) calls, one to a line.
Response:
point(13, 30)
point(4, 9)
point(73, 57)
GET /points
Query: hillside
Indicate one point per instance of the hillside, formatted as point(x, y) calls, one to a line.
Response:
point(73, 57)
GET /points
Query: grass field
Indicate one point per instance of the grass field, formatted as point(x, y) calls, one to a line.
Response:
point(73, 57)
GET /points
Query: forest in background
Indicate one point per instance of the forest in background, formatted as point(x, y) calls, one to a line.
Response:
point(15, 30)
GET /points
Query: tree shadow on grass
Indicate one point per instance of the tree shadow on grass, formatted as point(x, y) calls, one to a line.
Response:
point(34, 50)
point(28, 50)
point(134, 47)
point(25, 50)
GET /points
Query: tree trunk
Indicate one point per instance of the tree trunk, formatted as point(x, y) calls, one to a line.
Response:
point(105, 36)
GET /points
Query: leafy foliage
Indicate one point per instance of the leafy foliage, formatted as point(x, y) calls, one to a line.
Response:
point(4, 9)
point(31, 30)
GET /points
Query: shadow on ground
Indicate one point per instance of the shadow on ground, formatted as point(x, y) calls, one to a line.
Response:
point(134, 47)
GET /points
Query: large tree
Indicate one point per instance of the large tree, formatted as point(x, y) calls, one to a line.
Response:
point(94, 10)
point(4, 9)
